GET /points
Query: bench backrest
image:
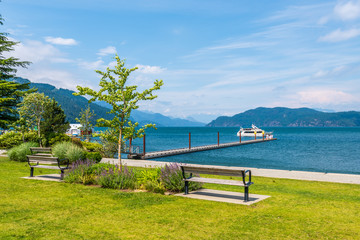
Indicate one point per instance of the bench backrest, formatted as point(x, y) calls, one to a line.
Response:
point(42, 159)
point(40, 150)
point(212, 170)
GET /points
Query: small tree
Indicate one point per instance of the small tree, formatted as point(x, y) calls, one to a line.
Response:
point(32, 108)
point(54, 120)
point(85, 121)
point(123, 98)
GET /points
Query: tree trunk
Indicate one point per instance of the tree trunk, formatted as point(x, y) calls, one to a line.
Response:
point(39, 135)
point(119, 152)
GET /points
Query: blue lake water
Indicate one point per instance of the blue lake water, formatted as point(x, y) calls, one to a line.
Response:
point(310, 149)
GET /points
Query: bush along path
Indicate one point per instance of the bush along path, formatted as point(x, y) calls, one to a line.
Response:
point(159, 180)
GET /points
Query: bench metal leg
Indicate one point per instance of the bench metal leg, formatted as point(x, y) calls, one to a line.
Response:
point(31, 172)
point(186, 187)
point(62, 174)
point(246, 194)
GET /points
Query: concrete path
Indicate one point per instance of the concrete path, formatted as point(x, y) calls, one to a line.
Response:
point(47, 177)
point(271, 173)
point(223, 196)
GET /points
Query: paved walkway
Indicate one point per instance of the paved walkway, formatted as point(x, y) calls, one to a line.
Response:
point(272, 173)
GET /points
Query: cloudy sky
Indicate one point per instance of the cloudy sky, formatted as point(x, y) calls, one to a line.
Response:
point(215, 57)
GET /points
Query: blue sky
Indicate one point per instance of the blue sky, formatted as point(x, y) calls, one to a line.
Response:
point(215, 57)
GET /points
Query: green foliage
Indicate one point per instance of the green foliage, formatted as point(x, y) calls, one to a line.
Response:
point(123, 97)
point(69, 151)
point(59, 137)
point(54, 121)
point(77, 142)
point(59, 149)
point(81, 172)
point(93, 146)
point(32, 108)
point(12, 139)
point(19, 153)
point(85, 121)
point(10, 92)
point(74, 153)
point(93, 156)
point(149, 180)
point(115, 178)
point(108, 141)
point(172, 178)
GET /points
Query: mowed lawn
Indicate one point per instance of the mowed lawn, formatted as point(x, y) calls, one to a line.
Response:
point(31, 209)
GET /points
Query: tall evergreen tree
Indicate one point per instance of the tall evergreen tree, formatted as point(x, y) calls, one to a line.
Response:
point(11, 93)
point(54, 120)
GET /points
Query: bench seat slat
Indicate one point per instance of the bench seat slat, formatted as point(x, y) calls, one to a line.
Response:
point(46, 166)
point(218, 181)
point(41, 158)
point(43, 162)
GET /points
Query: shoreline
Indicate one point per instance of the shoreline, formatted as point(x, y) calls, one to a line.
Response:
point(261, 172)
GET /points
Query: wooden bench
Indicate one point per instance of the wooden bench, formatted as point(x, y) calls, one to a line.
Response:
point(216, 171)
point(42, 158)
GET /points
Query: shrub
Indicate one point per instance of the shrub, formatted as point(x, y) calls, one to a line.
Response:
point(19, 153)
point(10, 139)
point(172, 178)
point(59, 150)
point(94, 156)
point(74, 153)
point(81, 172)
point(115, 178)
point(59, 137)
point(150, 180)
point(77, 142)
point(93, 147)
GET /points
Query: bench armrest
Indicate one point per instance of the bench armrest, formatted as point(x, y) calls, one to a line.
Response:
point(183, 173)
point(64, 161)
point(244, 177)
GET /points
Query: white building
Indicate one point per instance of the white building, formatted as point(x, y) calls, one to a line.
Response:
point(74, 130)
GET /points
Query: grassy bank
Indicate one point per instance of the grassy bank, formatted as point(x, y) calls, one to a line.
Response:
point(32, 209)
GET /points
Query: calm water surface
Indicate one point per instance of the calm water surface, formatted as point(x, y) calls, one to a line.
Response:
point(309, 149)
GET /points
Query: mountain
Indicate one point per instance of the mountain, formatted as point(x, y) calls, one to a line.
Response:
point(287, 117)
point(160, 120)
point(72, 106)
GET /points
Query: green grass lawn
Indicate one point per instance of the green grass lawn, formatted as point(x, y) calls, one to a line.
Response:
point(31, 209)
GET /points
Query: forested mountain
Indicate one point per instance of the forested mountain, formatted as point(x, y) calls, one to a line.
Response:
point(72, 106)
point(287, 117)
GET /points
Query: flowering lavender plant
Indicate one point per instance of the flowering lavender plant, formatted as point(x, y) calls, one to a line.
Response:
point(118, 178)
point(81, 171)
point(172, 178)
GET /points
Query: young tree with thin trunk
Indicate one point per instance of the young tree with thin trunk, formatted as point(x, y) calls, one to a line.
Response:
point(32, 108)
point(123, 97)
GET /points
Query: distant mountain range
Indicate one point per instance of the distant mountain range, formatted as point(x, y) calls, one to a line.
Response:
point(287, 117)
point(72, 106)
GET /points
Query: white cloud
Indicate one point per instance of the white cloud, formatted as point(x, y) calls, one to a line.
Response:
point(58, 78)
point(149, 69)
point(107, 51)
point(347, 10)
point(61, 41)
point(35, 51)
point(325, 97)
point(340, 35)
point(96, 65)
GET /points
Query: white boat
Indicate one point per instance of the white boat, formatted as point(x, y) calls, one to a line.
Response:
point(250, 132)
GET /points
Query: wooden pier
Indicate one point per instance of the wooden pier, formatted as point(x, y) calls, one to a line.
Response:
point(166, 153)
